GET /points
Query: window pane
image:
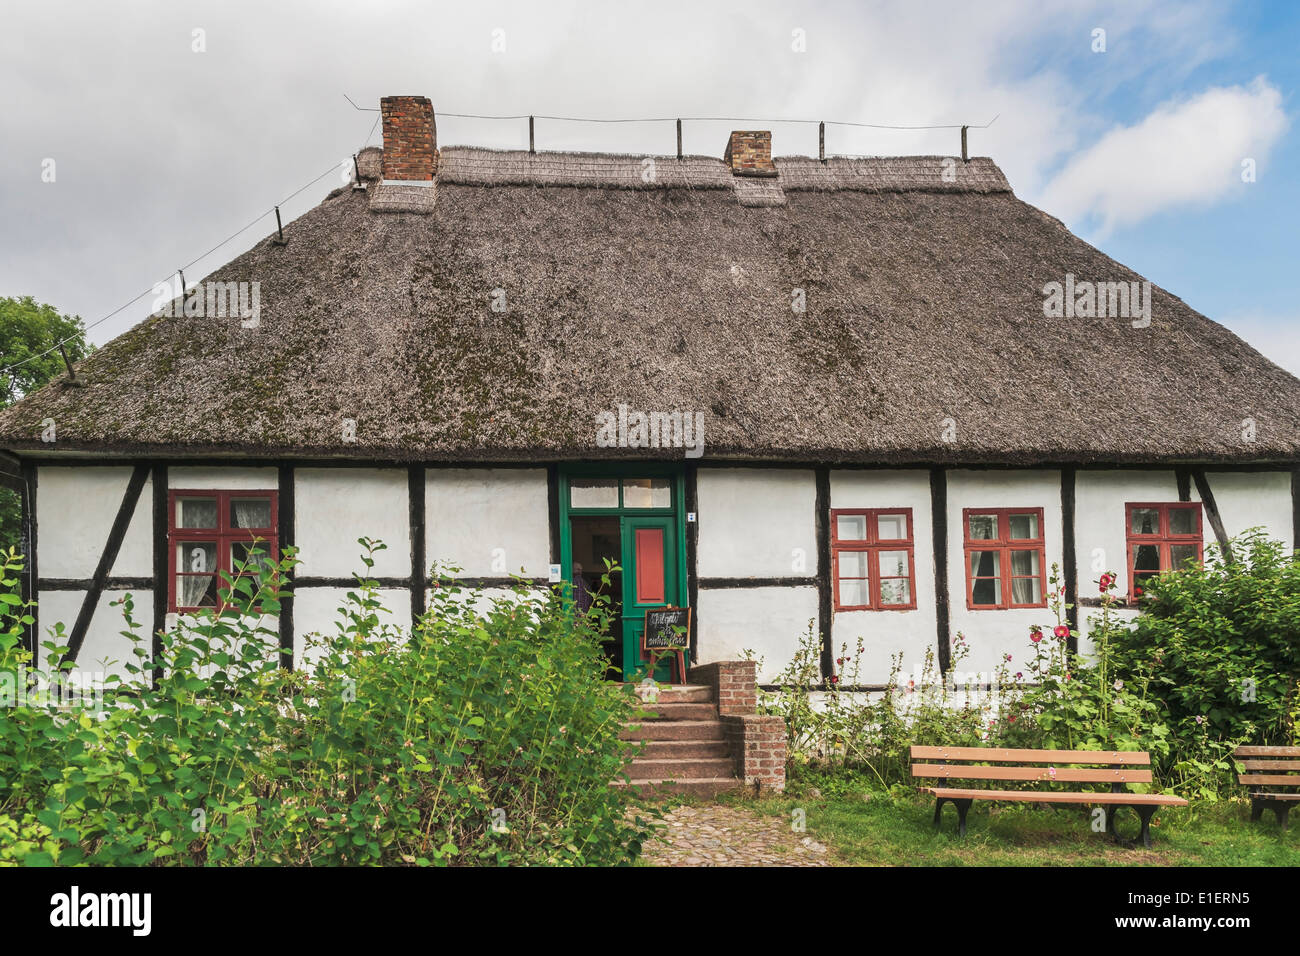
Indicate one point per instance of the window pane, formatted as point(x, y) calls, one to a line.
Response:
point(985, 568)
point(1026, 591)
point(983, 527)
point(1023, 526)
point(240, 552)
point(1146, 557)
point(196, 557)
point(853, 564)
point(851, 527)
point(593, 493)
point(250, 513)
point(1024, 562)
point(853, 593)
point(196, 512)
point(893, 564)
point(198, 588)
point(1182, 521)
point(1144, 521)
point(1180, 554)
point(891, 527)
point(895, 591)
point(647, 493)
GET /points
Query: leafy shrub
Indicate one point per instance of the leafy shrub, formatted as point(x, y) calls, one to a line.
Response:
point(485, 735)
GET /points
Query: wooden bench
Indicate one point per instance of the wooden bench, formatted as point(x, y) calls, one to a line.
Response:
point(1117, 768)
point(1277, 788)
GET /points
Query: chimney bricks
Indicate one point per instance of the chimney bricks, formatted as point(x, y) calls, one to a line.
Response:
point(410, 138)
point(749, 153)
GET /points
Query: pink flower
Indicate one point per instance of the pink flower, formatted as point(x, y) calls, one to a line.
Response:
point(1035, 634)
point(835, 678)
point(1019, 674)
point(1051, 772)
point(1007, 658)
point(1061, 631)
point(1107, 582)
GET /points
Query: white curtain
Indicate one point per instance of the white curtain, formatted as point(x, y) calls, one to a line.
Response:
point(196, 558)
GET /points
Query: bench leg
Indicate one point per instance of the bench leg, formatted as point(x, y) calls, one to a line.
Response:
point(1256, 809)
point(1280, 810)
point(1145, 813)
point(962, 806)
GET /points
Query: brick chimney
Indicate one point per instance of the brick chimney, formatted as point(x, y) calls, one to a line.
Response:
point(410, 139)
point(749, 153)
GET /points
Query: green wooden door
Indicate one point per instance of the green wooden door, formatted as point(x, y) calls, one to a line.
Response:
point(649, 581)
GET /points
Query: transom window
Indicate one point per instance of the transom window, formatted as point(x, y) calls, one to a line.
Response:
point(1004, 558)
point(1161, 537)
point(209, 532)
point(872, 556)
point(620, 493)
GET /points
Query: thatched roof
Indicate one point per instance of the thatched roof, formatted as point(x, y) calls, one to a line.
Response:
point(923, 279)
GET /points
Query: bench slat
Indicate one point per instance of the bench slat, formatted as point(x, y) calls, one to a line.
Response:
point(1127, 758)
point(1268, 780)
point(1275, 796)
point(1040, 796)
point(1267, 752)
point(1062, 775)
point(1293, 765)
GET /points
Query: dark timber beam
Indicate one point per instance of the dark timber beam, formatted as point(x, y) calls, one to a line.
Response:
point(692, 552)
point(284, 481)
point(1295, 511)
point(939, 522)
point(716, 584)
point(419, 568)
point(30, 578)
point(824, 605)
point(1212, 512)
point(161, 585)
point(125, 511)
point(1069, 558)
point(1183, 476)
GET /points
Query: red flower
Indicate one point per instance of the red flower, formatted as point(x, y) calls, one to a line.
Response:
point(835, 678)
point(1035, 635)
point(1107, 581)
point(1137, 592)
point(1062, 631)
point(1011, 719)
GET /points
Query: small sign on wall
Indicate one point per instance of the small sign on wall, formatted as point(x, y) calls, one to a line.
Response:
point(555, 574)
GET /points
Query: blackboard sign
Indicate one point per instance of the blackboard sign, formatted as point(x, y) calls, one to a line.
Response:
point(661, 625)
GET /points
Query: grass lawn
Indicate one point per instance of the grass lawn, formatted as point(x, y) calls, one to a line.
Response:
point(880, 828)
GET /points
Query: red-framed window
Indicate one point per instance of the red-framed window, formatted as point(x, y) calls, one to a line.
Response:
point(872, 558)
point(209, 532)
point(1005, 558)
point(1160, 537)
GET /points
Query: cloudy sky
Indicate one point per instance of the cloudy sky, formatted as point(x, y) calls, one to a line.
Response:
point(172, 124)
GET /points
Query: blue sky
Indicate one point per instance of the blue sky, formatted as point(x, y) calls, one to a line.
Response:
point(163, 150)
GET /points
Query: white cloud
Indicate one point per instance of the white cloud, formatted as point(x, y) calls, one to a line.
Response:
point(1185, 151)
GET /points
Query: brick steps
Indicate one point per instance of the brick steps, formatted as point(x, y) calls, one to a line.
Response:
point(685, 747)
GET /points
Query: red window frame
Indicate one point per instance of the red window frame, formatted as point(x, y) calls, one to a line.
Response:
point(1162, 538)
point(223, 536)
point(873, 545)
point(1004, 544)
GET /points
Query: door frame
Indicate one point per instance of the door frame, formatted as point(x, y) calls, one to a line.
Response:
point(678, 595)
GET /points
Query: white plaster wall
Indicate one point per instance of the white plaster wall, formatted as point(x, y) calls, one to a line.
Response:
point(768, 621)
point(75, 511)
point(756, 522)
point(316, 611)
point(885, 633)
point(993, 633)
point(220, 478)
point(336, 506)
point(105, 650)
point(489, 522)
point(1253, 499)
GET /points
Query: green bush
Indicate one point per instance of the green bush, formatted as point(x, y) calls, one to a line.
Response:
point(1222, 643)
point(485, 735)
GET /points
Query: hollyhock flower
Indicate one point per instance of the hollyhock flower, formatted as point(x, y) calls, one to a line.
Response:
point(1051, 772)
point(835, 678)
point(1035, 634)
point(1062, 631)
point(1007, 658)
point(1119, 685)
point(1199, 720)
point(1011, 718)
point(1019, 675)
point(1107, 582)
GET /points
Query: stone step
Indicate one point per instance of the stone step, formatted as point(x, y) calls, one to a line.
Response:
point(682, 711)
point(673, 730)
point(684, 749)
point(700, 787)
point(681, 769)
point(686, 694)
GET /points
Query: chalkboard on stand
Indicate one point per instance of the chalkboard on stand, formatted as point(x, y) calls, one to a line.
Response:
point(668, 630)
